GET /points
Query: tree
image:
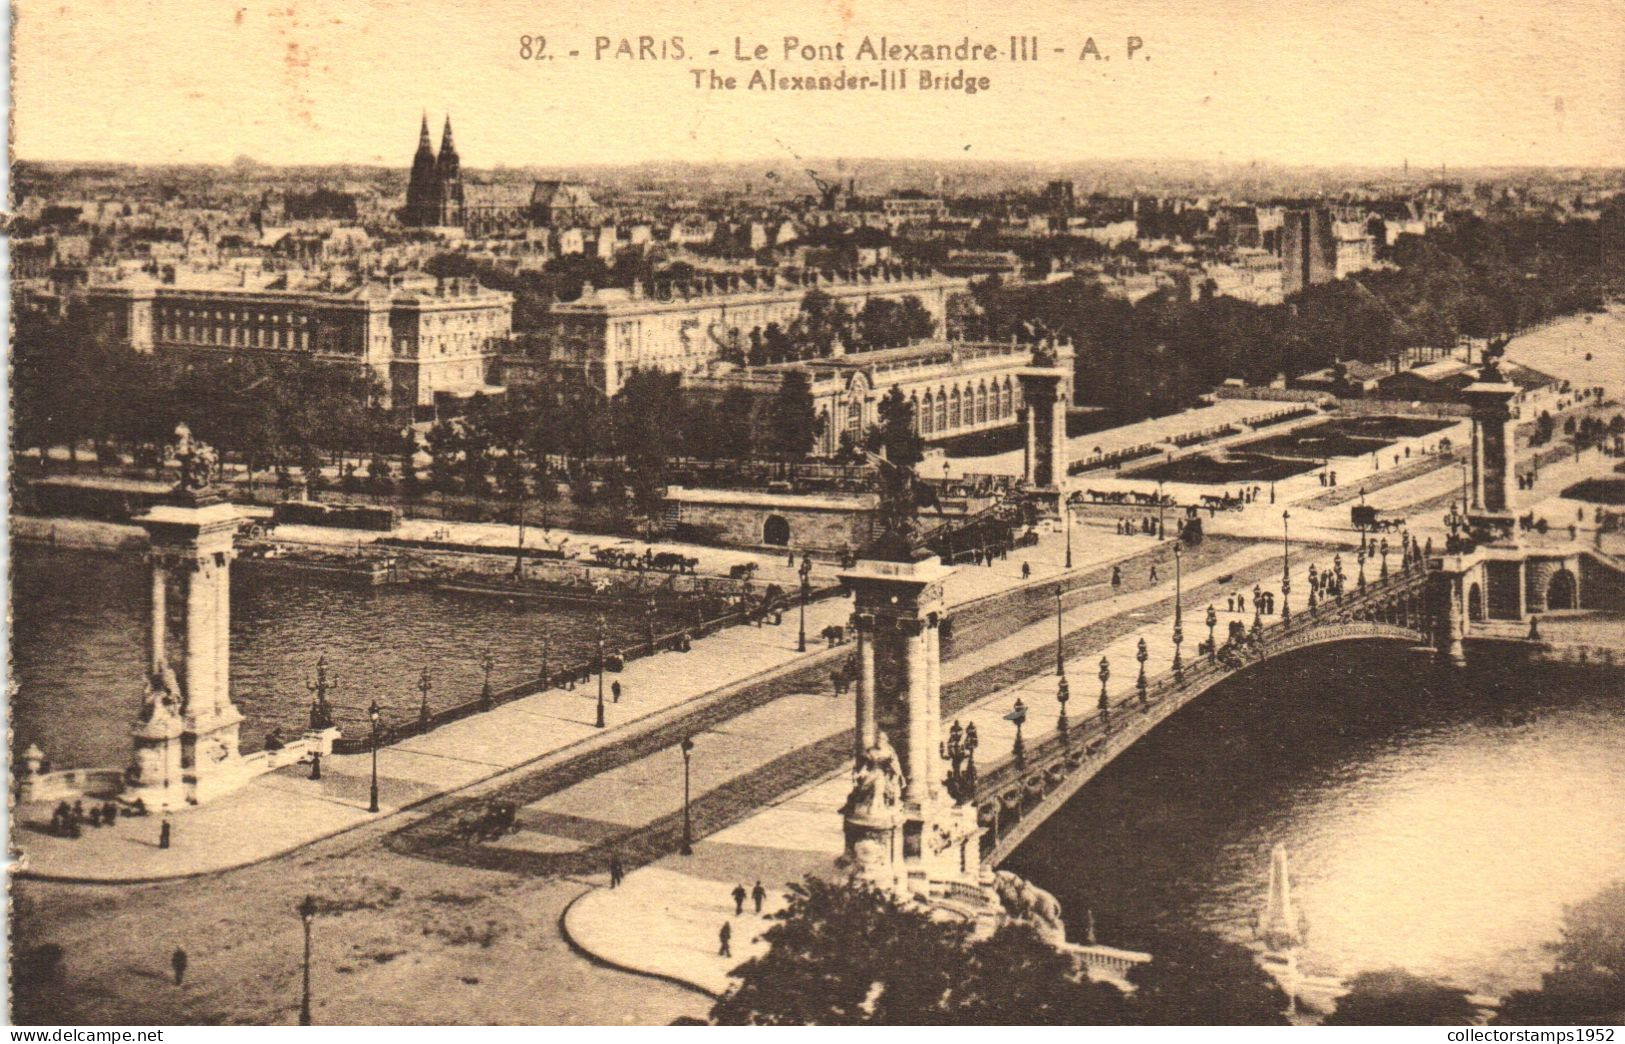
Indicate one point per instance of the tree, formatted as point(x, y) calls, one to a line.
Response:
point(1196, 978)
point(1587, 983)
point(648, 417)
point(847, 955)
point(794, 427)
point(1395, 997)
point(900, 444)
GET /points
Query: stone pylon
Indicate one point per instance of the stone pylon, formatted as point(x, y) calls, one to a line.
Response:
point(1493, 449)
point(185, 740)
point(903, 833)
point(1046, 393)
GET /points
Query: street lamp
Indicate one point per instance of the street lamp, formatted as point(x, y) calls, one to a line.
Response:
point(542, 676)
point(1142, 655)
point(424, 685)
point(321, 715)
point(1359, 556)
point(1382, 549)
point(1105, 674)
point(953, 752)
point(1060, 656)
point(687, 747)
point(600, 721)
point(1286, 569)
point(1161, 534)
point(307, 914)
point(1066, 523)
point(1179, 617)
point(1212, 622)
point(1018, 714)
point(806, 590)
point(373, 714)
point(487, 661)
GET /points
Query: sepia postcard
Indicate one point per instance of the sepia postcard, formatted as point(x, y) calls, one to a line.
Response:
point(930, 513)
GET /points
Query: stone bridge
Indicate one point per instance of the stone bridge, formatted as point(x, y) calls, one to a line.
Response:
point(1015, 797)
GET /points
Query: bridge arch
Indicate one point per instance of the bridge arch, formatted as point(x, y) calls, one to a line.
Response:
point(1013, 801)
point(1561, 591)
point(776, 531)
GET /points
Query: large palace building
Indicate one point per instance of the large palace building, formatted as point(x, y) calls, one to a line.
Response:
point(955, 387)
point(604, 335)
point(425, 339)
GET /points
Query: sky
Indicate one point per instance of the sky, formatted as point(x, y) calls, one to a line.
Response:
point(1301, 82)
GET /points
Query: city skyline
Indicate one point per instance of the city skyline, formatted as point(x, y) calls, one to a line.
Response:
point(1364, 85)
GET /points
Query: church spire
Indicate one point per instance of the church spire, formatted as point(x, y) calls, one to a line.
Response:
point(445, 137)
point(423, 135)
point(448, 166)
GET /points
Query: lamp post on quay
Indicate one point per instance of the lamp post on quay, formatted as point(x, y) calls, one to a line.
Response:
point(1212, 622)
point(600, 720)
point(1286, 569)
point(1105, 674)
point(1066, 523)
point(373, 715)
point(1141, 654)
point(687, 747)
point(307, 914)
point(1382, 548)
point(425, 684)
point(806, 589)
point(1179, 616)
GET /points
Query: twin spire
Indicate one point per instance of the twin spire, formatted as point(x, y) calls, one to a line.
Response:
point(446, 144)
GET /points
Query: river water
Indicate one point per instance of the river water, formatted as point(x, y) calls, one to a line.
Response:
point(1436, 821)
point(79, 631)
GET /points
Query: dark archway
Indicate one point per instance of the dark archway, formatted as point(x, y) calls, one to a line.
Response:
point(776, 530)
point(1475, 604)
point(1560, 591)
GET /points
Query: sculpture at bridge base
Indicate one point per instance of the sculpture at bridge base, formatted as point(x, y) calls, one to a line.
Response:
point(185, 740)
point(904, 834)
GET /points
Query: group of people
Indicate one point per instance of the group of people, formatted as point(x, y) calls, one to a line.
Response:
point(757, 895)
point(1146, 526)
point(69, 820)
point(1263, 602)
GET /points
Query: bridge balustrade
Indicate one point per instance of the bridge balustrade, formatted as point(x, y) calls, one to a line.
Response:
point(1009, 792)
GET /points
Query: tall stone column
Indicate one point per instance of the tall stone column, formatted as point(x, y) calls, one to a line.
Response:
point(199, 720)
point(918, 755)
point(865, 625)
point(156, 631)
point(1490, 400)
point(1045, 393)
point(933, 693)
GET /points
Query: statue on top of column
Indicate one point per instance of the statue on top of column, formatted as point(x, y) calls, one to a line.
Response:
point(197, 460)
point(1492, 353)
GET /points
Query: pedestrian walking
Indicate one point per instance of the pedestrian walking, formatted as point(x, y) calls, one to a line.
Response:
point(1117, 579)
point(1153, 572)
point(740, 895)
point(726, 936)
point(163, 834)
point(615, 872)
point(177, 961)
point(1026, 571)
point(615, 690)
point(758, 895)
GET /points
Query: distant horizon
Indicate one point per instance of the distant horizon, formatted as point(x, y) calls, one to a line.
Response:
point(1360, 83)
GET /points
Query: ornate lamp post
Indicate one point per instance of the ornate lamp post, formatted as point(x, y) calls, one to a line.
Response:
point(1382, 549)
point(954, 753)
point(806, 590)
point(600, 719)
point(1337, 575)
point(1066, 523)
point(687, 747)
point(1212, 622)
point(1104, 674)
point(1018, 714)
point(1161, 534)
point(307, 914)
point(321, 715)
point(1359, 556)
point(969, 779)
point(1060, 637)
point(543, 674)
point(1286, 569)
point(649, 623)
point(425, 684)
point(487, 661)
point(1142, 655)
point(1179, 617)
point(373, 715)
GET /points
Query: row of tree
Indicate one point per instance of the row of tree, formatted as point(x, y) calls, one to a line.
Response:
point(1472, 276)
point(70, 388)
point(846, 955)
